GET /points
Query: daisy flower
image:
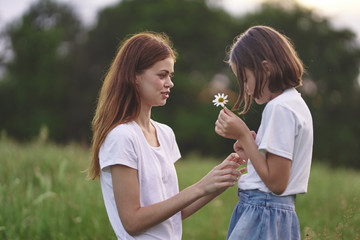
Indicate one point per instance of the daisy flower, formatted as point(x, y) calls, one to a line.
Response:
point(220, 100)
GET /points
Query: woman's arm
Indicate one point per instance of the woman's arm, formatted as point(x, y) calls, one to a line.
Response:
point(136, 219)
point(273, 170)
point(194, 207)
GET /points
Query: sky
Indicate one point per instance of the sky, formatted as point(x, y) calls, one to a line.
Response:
point(344, 13)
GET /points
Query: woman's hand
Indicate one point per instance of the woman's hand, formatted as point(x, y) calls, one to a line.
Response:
point(215, 182)
point(222, 176)
point(230, 126)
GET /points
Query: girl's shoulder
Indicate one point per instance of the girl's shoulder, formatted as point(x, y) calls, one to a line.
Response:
point(289, 103)
point(290, 99)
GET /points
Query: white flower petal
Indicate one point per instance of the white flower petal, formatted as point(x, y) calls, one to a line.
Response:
point(223, 98)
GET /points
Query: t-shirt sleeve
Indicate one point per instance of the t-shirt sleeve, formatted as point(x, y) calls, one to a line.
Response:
point(118, 148)
point(279, 131)
point(174, 148)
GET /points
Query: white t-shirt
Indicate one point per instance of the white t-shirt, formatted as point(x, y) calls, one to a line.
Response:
point(286, 130)
point(127, 145)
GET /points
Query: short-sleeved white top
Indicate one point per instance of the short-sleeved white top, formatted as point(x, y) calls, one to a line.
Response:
point(127, 145)
point(286, 130)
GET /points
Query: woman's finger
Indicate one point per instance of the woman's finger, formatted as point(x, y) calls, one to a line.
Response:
point(228, 178)
point(243, 170)
point(232, 157)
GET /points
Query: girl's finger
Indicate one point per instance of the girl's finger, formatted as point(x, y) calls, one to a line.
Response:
point(222, 115)
point(218, 130)
point(227, 111)
point(253, 133)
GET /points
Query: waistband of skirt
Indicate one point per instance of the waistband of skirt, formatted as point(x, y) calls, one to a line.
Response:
point(256, 197)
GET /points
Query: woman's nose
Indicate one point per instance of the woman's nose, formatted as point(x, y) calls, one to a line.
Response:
point(169, 83)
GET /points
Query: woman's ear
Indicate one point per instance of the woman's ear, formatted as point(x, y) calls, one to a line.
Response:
point(267, 67)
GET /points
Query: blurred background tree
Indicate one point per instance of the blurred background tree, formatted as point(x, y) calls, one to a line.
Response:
point(58, 67)
point(34, 88)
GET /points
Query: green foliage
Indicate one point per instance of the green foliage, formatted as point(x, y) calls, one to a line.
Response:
point(58, 67)
point(44, 195)
point(34, 89)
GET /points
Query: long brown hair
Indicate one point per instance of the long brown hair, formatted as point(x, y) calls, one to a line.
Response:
point(251, 49)
point(119, 100)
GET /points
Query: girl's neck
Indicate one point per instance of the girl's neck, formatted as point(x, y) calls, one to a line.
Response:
point(267, 96)
point(274, 95)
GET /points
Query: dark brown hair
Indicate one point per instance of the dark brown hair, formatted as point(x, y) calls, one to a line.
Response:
point(251, 49)
point(119, 100)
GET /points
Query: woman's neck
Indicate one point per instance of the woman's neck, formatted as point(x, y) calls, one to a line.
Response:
point(143, 120)
point(147, 128)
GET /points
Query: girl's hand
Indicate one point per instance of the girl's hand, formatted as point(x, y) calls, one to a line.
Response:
point(223, 175)
point(238, 148)
point(229, 125)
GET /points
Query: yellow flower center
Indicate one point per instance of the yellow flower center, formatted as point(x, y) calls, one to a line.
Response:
point(221, 99)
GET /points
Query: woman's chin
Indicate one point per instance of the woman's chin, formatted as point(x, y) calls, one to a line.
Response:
point(162, 103)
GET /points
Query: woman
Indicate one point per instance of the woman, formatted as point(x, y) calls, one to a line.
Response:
point(135, 155)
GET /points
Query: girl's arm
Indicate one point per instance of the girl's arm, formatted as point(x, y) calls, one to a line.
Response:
point(273, 170)
point(136, 219)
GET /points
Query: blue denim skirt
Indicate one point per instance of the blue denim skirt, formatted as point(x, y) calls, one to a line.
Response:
point(259, 215)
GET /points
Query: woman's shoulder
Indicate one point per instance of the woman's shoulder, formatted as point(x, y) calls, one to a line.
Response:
point(123, 130)
point(162, 126)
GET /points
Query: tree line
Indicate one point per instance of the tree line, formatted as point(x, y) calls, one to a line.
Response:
point(57, 66)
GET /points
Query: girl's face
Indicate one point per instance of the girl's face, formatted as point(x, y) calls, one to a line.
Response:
point(155, 82)
point(249, 86)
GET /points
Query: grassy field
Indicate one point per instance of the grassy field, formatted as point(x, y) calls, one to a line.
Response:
point(44, 195)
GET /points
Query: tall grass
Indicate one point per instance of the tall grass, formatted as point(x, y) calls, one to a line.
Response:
point(44, 195)
point(329, 211)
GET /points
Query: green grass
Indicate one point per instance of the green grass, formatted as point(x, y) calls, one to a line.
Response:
point(44, 195)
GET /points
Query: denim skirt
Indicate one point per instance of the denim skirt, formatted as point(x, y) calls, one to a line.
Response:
point(264, 216)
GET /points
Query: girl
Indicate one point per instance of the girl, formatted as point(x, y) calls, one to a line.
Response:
point(279, 156)
point(135, 155)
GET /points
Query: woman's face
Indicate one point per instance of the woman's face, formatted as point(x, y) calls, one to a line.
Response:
point(155, 82)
